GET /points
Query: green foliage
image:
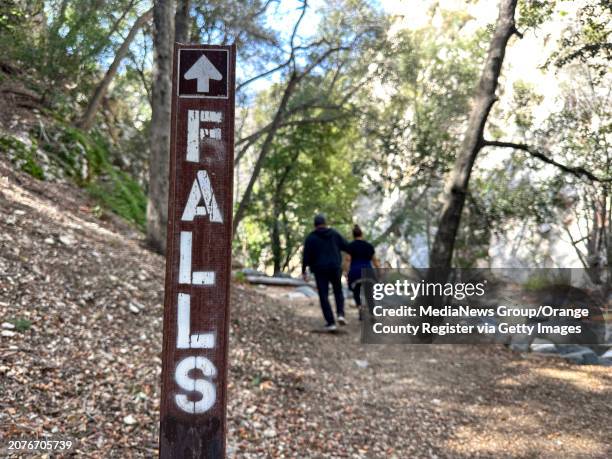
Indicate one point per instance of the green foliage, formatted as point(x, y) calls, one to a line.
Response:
point(433, 77)
point(59, 45)
point(253, 241)
point(588, 39)
point(533, 13)
point(501, 198)
point(543, 279)
point(508, 194)
point(11, 15)
point(23, 156)
point(66, 152)
point(57, 52)
point(256, 380)
point(525, 98)
point(399, 103)
point(121, 194)
point(21, 325)
point(412, 136)
point(309, 170)
point(113, 188)
point(579, 134)
point(240, 278)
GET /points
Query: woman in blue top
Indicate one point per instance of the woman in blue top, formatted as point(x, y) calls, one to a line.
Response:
point(361, 255)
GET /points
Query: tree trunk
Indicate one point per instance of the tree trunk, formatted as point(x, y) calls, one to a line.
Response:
point(278, 211)
point(457, 184)
point(276, 242)
point(608, 232)
point(289, 248)
point(596, 257)
point(94, 103)
point(265, 148)
point(181, 21)
point(157, 208)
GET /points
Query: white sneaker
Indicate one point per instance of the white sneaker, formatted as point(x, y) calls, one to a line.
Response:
point(341, 320)
point(330, 328)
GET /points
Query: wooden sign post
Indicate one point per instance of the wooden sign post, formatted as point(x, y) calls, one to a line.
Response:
point(198, 268)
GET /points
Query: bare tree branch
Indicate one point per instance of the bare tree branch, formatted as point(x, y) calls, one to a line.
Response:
point(267, 144)
point(297, 24)
point(576, 171)
point(291, 57)
point(263, 75)
point(311, 104)
point(95, 51)
point(282, 116)
point(142, 77)
point(86, 121)
point(249, 140)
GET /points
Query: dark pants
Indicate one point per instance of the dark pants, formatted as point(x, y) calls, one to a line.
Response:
point(324, 277)
point(356, 289)
point(354, 275)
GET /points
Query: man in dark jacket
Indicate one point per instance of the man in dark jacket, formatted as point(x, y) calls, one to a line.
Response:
point(322, 255)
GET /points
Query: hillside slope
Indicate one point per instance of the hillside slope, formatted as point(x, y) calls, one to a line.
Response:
point(81, 306)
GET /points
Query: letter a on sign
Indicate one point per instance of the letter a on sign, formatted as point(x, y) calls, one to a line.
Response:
point(202, 191)
point(198, 256)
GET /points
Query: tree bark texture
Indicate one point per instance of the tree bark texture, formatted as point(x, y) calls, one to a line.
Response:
point(157, 208)
point(457, 184)
point(181, 21)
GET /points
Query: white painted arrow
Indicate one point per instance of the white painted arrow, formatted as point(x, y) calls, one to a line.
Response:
point(203, 70)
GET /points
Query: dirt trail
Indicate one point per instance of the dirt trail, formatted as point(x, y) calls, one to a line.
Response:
point(451, 401)
point(83, 361)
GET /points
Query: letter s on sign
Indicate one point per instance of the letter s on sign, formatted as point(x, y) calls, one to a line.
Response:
point(204, 386)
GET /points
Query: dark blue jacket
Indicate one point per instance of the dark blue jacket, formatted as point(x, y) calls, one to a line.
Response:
point(322, 250)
